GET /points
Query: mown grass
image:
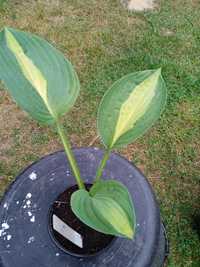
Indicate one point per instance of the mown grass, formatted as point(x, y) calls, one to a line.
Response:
point(104, 41)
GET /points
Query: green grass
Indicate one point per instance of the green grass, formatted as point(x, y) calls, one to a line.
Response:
point(104, 42)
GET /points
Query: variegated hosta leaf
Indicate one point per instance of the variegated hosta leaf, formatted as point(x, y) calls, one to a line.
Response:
point(130, 107)
point(107, 208)
point(39, 78)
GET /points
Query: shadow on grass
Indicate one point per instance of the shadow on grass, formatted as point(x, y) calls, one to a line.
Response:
point(196, 223)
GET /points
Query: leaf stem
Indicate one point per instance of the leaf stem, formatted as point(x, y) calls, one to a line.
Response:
point(102, 165)
point(70, 155)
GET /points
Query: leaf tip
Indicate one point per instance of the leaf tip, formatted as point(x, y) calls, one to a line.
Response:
point(5, 30)
point(159, 71)
point(129, 233)
point(7, 34)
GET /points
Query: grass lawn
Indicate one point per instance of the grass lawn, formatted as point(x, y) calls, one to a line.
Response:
point(104, 42)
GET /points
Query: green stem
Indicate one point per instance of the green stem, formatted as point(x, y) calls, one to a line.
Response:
point(102, 165)
point(70, 156)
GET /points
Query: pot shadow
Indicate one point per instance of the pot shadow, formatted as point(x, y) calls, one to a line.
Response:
point(196, 223)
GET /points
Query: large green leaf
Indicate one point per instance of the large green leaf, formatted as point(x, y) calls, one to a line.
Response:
point(39, 78)
point(107, 208)
point(130, 107)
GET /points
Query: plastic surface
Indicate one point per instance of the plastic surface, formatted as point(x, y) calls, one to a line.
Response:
point(24, 236)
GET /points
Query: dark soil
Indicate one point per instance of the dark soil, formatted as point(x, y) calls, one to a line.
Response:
point(93, 241)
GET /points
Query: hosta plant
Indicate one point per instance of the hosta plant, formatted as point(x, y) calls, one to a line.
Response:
point(44, 83)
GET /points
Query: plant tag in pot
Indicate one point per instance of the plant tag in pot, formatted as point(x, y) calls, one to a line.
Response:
point(67, 232)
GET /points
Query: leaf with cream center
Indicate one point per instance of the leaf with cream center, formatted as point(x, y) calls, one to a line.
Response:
point(38, 76)
point(130, 107)
point(107, 208)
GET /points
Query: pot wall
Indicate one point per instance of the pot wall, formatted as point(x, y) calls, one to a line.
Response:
point(24, 212)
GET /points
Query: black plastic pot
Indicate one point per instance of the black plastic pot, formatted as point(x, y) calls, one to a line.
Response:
point(24, 215)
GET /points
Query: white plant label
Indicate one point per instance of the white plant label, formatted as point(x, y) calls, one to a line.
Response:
point(67, 232)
